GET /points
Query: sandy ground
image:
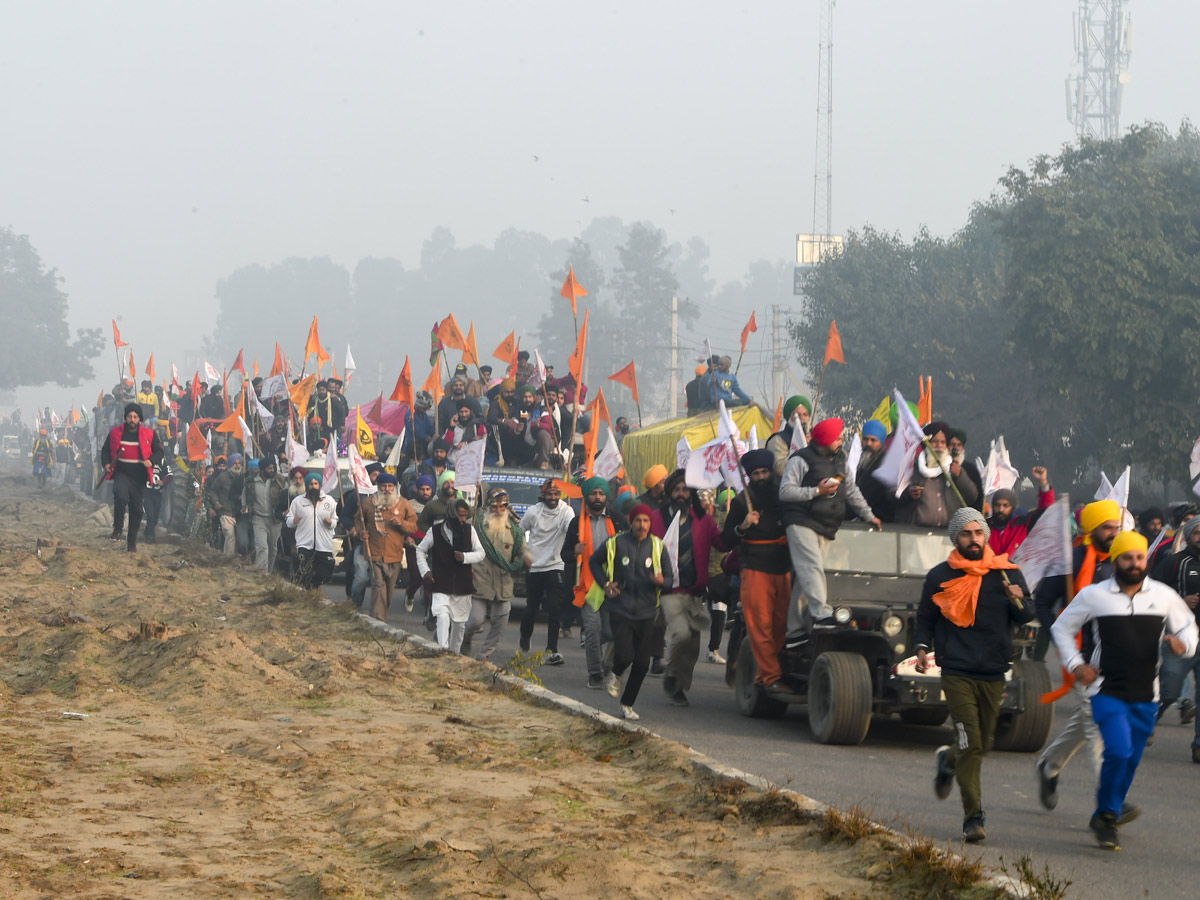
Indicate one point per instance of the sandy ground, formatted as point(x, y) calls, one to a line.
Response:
point(270, 745)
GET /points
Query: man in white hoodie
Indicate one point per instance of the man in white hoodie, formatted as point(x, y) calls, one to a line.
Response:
point(444, 559)
point(545, 524)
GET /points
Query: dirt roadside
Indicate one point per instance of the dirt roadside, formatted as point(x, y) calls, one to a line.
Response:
point(270, 745)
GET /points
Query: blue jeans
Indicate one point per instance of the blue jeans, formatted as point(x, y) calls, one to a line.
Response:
point(1125, 727)
point(1172, 679)
point(362, 576)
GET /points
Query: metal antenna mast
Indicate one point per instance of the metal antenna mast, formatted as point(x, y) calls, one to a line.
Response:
point(823, 168)
point(1103, 41)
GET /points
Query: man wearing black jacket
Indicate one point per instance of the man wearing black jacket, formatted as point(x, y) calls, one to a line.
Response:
point(968, 607)
point(761, 539)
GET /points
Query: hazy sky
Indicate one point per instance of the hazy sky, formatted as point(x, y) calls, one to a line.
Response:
point(150, 148)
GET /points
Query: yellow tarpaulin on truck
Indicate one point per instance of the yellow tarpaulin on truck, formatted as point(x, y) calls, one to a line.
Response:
point(656, 443)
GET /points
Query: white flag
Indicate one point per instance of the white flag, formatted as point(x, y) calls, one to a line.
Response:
point(211, 375)
point(608, 461)
point(1194, 465)
point(273, 386)
point(349, 368)
point(707, 352)
point(358, 471)
point(999, 473)
point(393, 458)
point(539, 370)
point(799, 439)
point(753, 437)
point(174, 376)
point(726, 427)
point(683, 452)
point(468, 464)
point(704, 466)
point(1120, 490)
point(853, 457)
point(247, 437)
point(1105, 488)
point(267, 417)
point(1162, 535)
point(897, 466)
point(671, 545)
point(1046, 550)
point(329, 476)
point(296, 454)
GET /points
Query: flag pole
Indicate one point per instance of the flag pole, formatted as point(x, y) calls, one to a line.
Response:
point(817, 399)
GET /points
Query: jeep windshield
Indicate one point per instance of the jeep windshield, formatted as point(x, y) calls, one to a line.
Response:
point(897, 550)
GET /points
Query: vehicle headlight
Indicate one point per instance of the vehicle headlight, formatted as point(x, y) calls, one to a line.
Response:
point(842, 615)
point(899, 649)
point(892, 626)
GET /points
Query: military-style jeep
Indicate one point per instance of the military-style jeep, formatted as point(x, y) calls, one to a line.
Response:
point(864, 666)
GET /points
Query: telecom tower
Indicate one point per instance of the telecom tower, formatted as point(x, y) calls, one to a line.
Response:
point(812, 247)
point(1103, 40)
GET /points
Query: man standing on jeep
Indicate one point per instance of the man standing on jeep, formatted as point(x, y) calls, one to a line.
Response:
point(814, 493)
point(968, 607)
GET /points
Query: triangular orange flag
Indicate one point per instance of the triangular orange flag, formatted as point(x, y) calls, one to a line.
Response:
point(197, 446)
point(925, 400)
point(599, 407)
point(132, 369)
point(150, 368)
point(451, 335)
point(750, 326)
point(313, 344)
point(301, 392)
point(833, 347)
point(570, 491)
point(117, 342)
point(433, 384)
point(777, 423)
point(592, 439)
point(256, 367)
point(628, 377)
point(572, 290)
point(231, 424)
point(239, 364)
point(403, 392)
point(507, 352)
point(277, 366)
point(575, 363)
point(512, 365)
point(471, 351)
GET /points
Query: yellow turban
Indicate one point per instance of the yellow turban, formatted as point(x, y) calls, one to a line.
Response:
point(1096, 514)
point(655, 474)
point(1127, 542)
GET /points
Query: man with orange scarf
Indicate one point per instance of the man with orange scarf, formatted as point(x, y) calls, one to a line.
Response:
point(1100, 522)
point(968, 607)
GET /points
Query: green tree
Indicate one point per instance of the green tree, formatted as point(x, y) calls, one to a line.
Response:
point(934, 307)
point(1103, 285)
point(35, 343)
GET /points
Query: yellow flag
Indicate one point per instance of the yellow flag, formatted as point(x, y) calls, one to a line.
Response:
point(364, 439)
point(883, 413)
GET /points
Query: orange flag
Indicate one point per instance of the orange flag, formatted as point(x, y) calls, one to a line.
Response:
point(575, 363)
point(750, 326)
point(925, 400)
point(507, 351)
point(512, 365)
point(433, 384)
point(256, 367)
point(277, 366)
point(231, 424)
point(239, 364)
point(313, 345)
point(628, 377)
point(117, 342)
point(599, 406)
point(833, 347)
point(570, 491)
point(403, 392)
point(197, 446)
point(150, 368)
point(471, 351)
point(451, 335)
point(778, 422)
point(592, 439)
point(132, 369)
point(301, 392)
point(572, 290)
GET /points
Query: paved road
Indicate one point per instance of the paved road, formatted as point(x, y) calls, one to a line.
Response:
point(891, 774)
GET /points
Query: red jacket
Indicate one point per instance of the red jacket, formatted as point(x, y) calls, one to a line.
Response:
point(1012, 535)
point(145, 446)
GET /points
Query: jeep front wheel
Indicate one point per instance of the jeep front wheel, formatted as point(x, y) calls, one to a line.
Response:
point(752, 700)
point(839, 698)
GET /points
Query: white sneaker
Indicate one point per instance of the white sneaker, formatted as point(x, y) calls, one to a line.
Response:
point(628, 713)
point(612, 684)
point(714, 656)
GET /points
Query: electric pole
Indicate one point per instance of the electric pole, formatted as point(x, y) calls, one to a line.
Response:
point(777, 351)
point(674, 409)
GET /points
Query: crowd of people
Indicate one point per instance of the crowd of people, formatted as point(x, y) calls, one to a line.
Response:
point(592, 553)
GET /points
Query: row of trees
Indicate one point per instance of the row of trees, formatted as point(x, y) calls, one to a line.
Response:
point(1065, 313)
